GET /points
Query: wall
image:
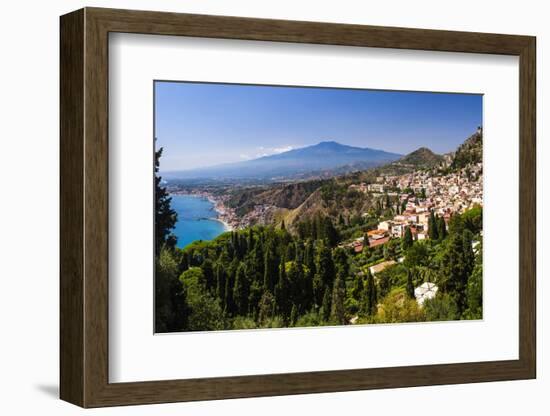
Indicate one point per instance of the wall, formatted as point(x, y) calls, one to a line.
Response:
point(29, 209)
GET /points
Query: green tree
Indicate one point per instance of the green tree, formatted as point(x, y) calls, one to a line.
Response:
point(410, 285)
point(454, 271)
point(407, 239)
point(474, 291)
point(417, 255)
point(170, 295)
point(337, 313)
point(357, 291)
point(165, 216)
point(266, 308)
point(371, 296)
point(205, 313)
point(441, 228)
point(432, 227)
point(293, 315)
point(442, 307)
point(326, 306)
point(366, 243)
point(241, 290)
point(208, 272)
point(469, 258)
point(282, 291)
point(325, 272)
point(271, 268)
point(329, 232)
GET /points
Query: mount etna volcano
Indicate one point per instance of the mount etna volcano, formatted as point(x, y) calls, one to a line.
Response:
point(321, 158)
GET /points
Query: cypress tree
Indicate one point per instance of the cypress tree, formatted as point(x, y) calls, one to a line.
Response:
point(241, 291)
point(325, 306)
point(358, 288)
point(165, 216)
point(341, 264)
point(270, 269)
point(293, 315)
point(329, 232)
point(410, 285)
point(441, 228)
point(250, 239)
point(337, 313)
point(407, 239)
point(371, 295)
point(220, 283)
point(324, 275)
point(469, 257)
point(432, 227)
point(453, 267)
point(208, 272)
point(184, 262)
point(282, 291)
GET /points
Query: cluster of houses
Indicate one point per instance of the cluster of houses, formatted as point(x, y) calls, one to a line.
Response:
point(260, 215)
point(417, 194)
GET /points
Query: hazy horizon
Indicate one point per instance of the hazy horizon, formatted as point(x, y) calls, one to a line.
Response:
point(203, 124)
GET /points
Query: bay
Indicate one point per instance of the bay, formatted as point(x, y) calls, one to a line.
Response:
point(196, 219)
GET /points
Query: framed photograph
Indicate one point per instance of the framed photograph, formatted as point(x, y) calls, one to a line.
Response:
point(256, 207)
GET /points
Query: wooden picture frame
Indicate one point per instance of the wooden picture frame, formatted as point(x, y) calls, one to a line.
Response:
point(84, 207)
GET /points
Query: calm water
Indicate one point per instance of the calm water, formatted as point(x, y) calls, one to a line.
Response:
point(194, 219)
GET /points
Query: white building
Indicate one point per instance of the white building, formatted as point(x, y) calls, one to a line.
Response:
point(426, 290)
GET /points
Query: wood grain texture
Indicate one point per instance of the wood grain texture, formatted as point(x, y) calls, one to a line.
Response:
point(84, 207)
point(71, 208)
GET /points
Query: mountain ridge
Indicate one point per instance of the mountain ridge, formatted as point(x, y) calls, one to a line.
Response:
point(325, 155)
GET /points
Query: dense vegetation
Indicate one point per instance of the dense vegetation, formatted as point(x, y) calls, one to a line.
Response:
point(267, 277)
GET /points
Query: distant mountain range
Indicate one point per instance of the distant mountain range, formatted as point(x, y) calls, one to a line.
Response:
point(323, 157)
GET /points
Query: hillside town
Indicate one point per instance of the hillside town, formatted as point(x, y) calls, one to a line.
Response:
point(417, 195)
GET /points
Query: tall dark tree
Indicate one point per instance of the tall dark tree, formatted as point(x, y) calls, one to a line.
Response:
point(410, 284)
point(341, 262)
point(282, 291)
point(432, 227)
point(330, 233)
point(407, 239)
point(326, 305)
point(241, 290)
point(230, 307)
point(209, 277)
point(170, 295)
point(165, 216)
point(271, 268)
point(366, 242)
point(469, 257)
point(220, 282)
point(371, 296)
point(358, 289)
point(325, 272)
point(441, 228)
point(337, 313)
point(454, 271)
point(293, 315)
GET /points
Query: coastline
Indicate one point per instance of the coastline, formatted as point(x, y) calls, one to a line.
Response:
point(217, 206)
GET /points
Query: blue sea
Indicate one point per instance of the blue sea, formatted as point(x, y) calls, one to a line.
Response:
point(195, 219)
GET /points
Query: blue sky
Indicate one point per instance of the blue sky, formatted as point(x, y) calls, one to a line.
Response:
point(201, 124)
